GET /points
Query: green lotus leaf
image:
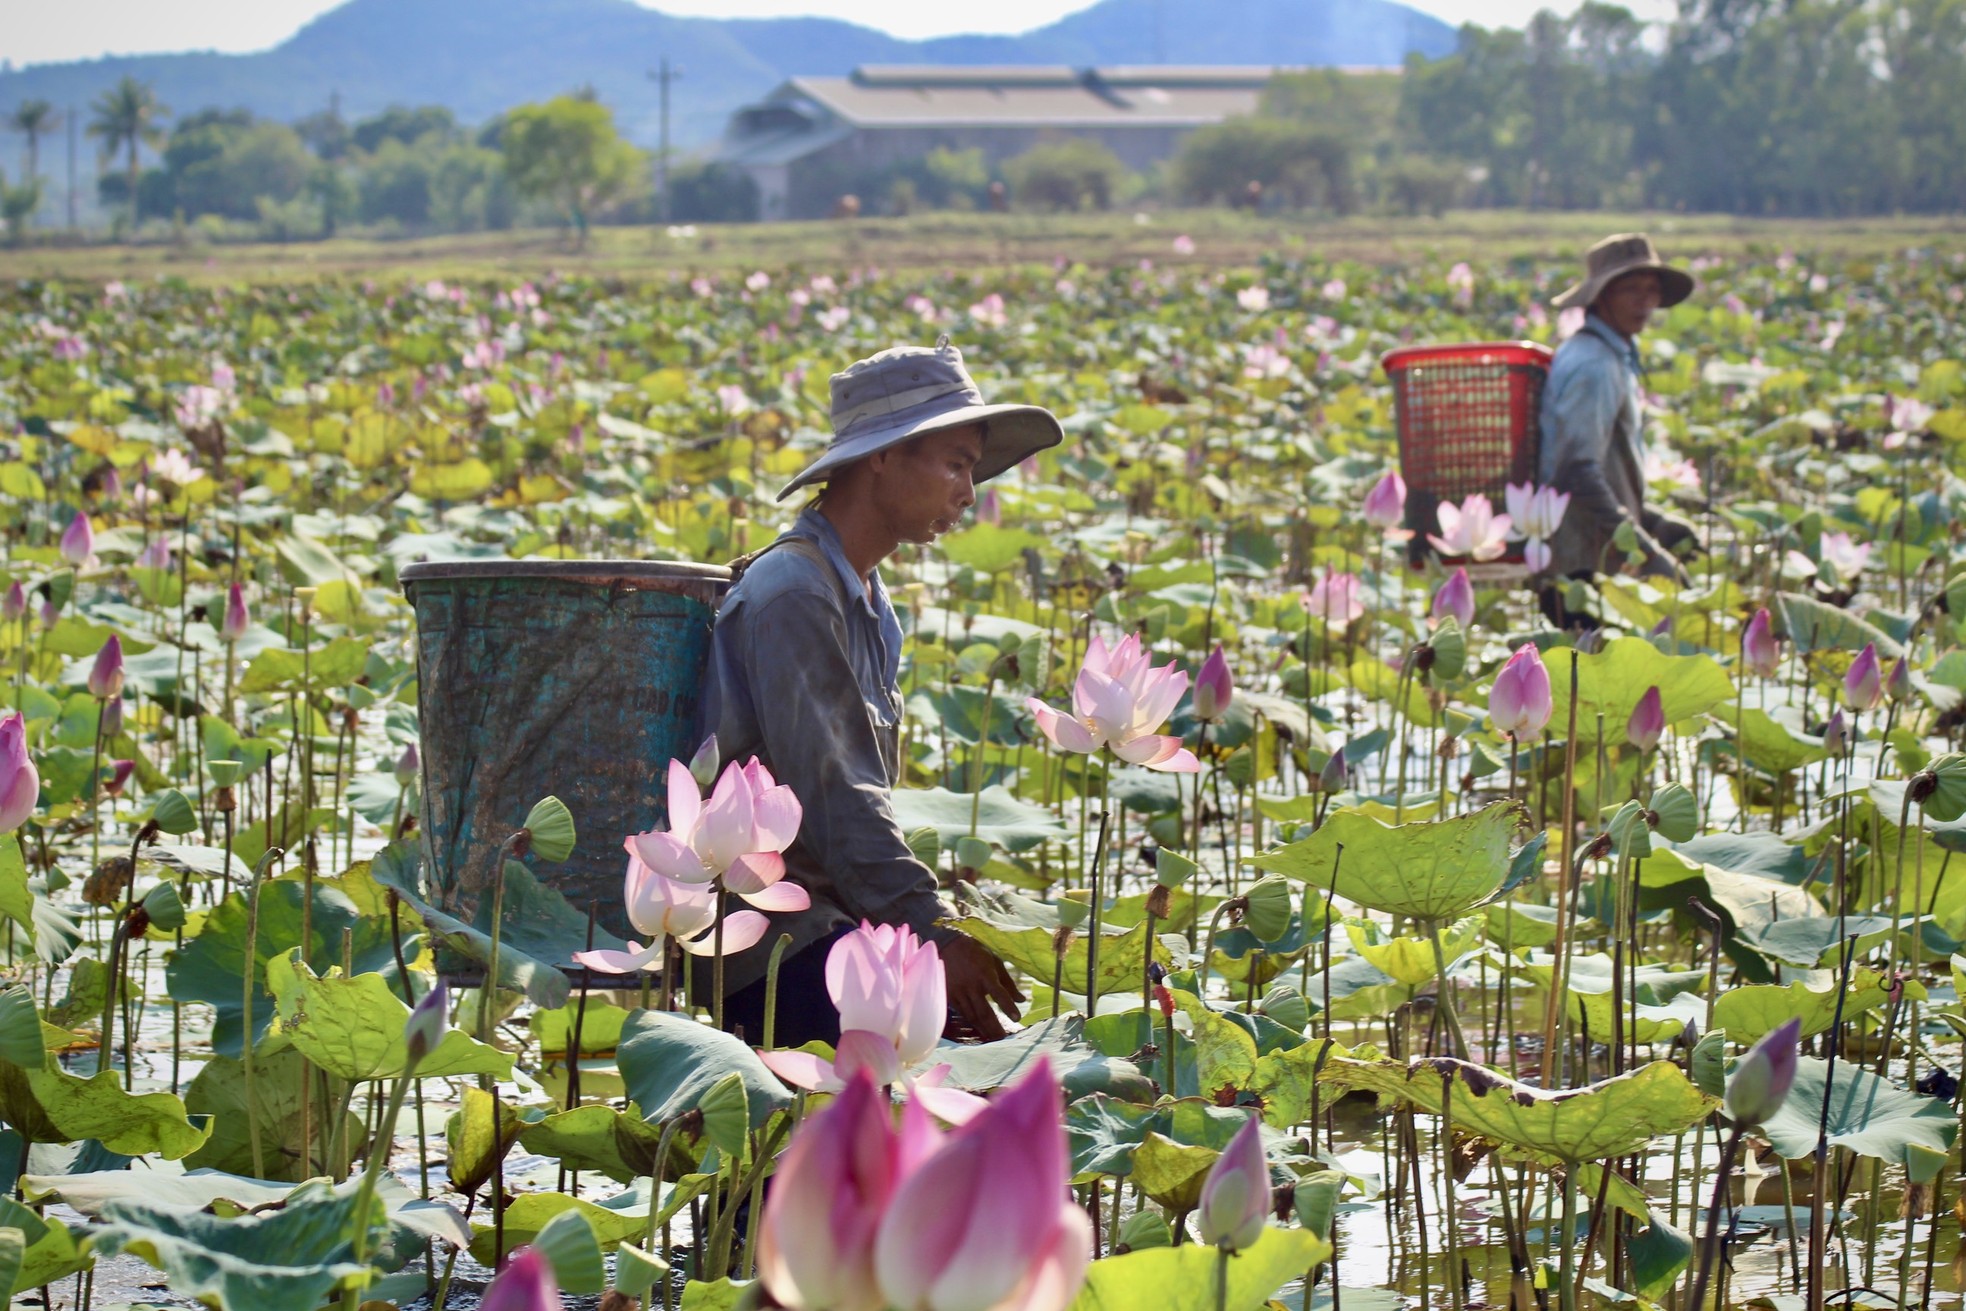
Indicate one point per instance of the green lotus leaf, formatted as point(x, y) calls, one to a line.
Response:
point(1283, 1080)
point(529, 1213)
point(477, 1137)
point(1000, 817)
point(1104, 1131)
point(1183, 1278)
point(1432, 871)
point(353, 1027)
point(50, 1105)
point(1806, 941)
point(620, 1144)
point(671, 1062)
point(279, 1080)
point(1411, 959)
point(20, 1029)
point(1947, 801)
point(1769, 744)
point(1815, 626)
point(1612, 681)
point(1867, 1115)
point(1081, 1070)
point(570, 1247)
point(1122, 955)
point(1754, 1010)
point(551, 825)
point(1172, 1173)
point(1676, 814)
point(17, 900)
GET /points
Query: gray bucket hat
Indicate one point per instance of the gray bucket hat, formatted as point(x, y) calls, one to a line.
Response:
point(1614, 257)
point(908, 391)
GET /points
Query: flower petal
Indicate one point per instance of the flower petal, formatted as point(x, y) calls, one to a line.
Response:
point(781, 896)
point(754, 871)
point(803, 1070)
point(622, 962)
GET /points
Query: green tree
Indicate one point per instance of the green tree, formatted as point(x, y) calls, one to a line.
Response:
point(227, 163)
point(17, 206)
point(1065, 175)
point(129, 117)
point(398, 123)
point(1301, 165)
point(568, 153)
point(31, 118)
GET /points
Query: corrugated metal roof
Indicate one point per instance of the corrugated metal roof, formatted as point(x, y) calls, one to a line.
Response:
point(1178, 97)
point(781, 147)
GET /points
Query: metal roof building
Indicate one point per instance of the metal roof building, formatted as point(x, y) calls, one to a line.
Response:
point(806, 143)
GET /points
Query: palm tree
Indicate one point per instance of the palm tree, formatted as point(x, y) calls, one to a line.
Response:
point(32, 119)
point(128, 116)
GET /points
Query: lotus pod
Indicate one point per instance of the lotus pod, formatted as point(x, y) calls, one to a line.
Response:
point(174, 814)
point(1675, 813)
point(1268, 913)
point(1450, 648)
point(570, 1247)
point(1172, 869)
point(551, 825)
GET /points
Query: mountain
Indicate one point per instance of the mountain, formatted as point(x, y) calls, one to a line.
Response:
point(479, 57)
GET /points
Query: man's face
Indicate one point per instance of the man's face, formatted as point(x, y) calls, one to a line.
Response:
point(927, 483)
point(1629, 302)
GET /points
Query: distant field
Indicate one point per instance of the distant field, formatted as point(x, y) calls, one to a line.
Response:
point(944, 240)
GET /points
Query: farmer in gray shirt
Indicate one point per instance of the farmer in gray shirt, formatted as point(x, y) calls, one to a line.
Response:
point(804, 667)
point(1593, 440)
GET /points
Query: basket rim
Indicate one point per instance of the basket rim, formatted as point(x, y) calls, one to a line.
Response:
point(600, 571)
point(1473, 352)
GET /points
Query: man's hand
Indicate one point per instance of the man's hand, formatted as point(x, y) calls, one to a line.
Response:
point(975, 978)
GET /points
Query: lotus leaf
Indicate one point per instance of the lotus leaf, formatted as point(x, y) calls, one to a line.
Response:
point(1754, 1010)
point(1432, 872)
point(1867, 1115)
point(353, 1027)
point(477, 1137)
point(1412, 960)
point(50, 1105)
point(1612, 681)
point(1001, 817)
point(529, 1213)
point(219, 1092)
point(1182, 1278)
point(983, 1067)
point(671, 1062)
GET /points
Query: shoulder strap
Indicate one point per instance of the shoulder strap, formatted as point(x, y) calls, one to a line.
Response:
point(805, 546)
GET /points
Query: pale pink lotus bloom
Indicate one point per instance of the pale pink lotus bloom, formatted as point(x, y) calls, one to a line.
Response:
point(1254, 299)
point(1664, 466)
point(757, 281)
point(1215, 687)
point(1461, 282)
point(1385, 504)
point(1184, 245)
point(666, 908)
point(1759, 650)
point(174, 467)
point(989, 508)
point(1335, 599)
point(1235, 1198)
point(1456, 598)
point(223, 377)
point(198, 405)
point(1334, 289)
point(989, 312)
point(1536, 555)
point(1519, 703)
point(78, 542)
point(233, 626)
point(1262, 360)
point(20, 782)
point(1846, 557)
point(1863, 684)
point(1535, 512)
point(739, 835)
point(1471, 528)
point(1907, 414)
point(1121, 699)
point(1647, 722)
point(156, 555)
point(526, 1284)
point(835, 318)
point(732, 400)
point(986, 1222)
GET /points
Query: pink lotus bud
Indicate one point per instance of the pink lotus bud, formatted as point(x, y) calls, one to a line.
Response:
point(1335, 774)
point(989, 509)
point(112, 483)
point(1761, 1080)
point(1456, 598)
point(1214, 687)
point(1863, 685)
point(427, 1023)
point(20, 782)
point(112, 717)
point(526, 1284)
point(106, 675)
point(233, 626)
point(78, 541)
point(1536, 555)
point(14, 606)
point(1235, 1200)
point(1898, 686)
point(703, 766)
point(156, 556)
point(1385, 504)
point(119, 775)
point(408, 765)
point(1836, 734)
point(1519, 703)
point(1759, 650)
point(1647, 722)
point(886, 982)
point(50, 612)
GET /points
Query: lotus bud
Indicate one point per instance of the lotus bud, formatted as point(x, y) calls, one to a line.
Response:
point(1898, 686)
point(407, 766)
point(112, 717)
point(1648, 721)
point(1235, 1200)
point(1385, 504)
point(704, 764)
point(78, 541)
point(14, 606)
point(1456, 598)
point(119, 776)
point(526, 1284)
point(1760, 1083)
point(1835, 734)
point(233, 626)
point(20, 782)
point(1519, 703)
point(157, 555)
point(989, 509)
point(50, 612)
point(106, 676)
point(1863, 685)
point(1760, 653)
point(1214, 687)
point(427, 1023)
point(1335, 774)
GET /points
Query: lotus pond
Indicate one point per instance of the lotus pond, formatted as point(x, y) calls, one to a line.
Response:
point(1507, 980)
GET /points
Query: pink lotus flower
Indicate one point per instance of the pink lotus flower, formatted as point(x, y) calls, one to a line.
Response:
point(20, 781)
point(1536, 555)
point(1519, 703)
point(1647, 722)
point(233, 626)
point(106, 675)
point(119, 776)
point(78, 542)
point(526, 1284)
point(986, 1223)
point(198, 405)
point(15, 604)
point(1335, 599)
point(1846, 557)
point(1535, 512)
point(732, 400)
point(1254, 299)
point(157, 555)
point(1215, 688)
point(1471, 529)
point(1836, 734)
point(739, 835)
point(1235, 1198)
point(1760, 652)
point(428, 1022)
point(1897, 684)
point(1455, 598)
point(1863, 684)
point(666, 908)
point(1121, 699)
point(174, 467)
point(1385, 504)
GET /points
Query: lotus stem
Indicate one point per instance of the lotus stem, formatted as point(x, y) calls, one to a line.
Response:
point(771, 1004)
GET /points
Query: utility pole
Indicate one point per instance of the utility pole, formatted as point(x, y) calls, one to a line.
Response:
point(71, 168)
point(662, 77)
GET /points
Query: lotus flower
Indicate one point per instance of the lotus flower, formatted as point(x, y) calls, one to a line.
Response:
point(1536, 512)
point(407, 766)
point(1471, 529)
point(233, 626)
point(106, 675)
point(1455, 598)
point(14, 606)
point(1836, 734)
point(1121, 699)
point(1760, 652)
point(78, 542)
point(1385, 504)
point(1215, 688)
point(1519, 703)
point(526, 1284)
point(427, 1023)
point(1235, 1199)
point(1845, 557)
point(668, 908)
point(198, 405)
point(174, 467)
point(1536, 555)
point(1863, 685)
point(1647, 722)
point(1335, 599)
point(119, 772)
point(1897, 686)
point(739, 835)
point(20, 782)
point(986, 1223)
point(1761, 1081)
point(157, 555)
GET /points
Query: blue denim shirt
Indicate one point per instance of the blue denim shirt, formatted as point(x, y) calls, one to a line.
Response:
point(1593, 445)
point(803, 674)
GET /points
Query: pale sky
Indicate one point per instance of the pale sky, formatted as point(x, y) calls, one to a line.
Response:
point(36, 31)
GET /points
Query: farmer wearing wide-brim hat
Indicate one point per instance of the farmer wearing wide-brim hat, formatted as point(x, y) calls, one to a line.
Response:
point(803, 674)
point(1593, 443)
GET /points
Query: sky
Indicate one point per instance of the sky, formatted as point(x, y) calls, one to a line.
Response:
point(32, 33)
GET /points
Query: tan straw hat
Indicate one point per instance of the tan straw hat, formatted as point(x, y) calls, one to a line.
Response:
point(908, 391)
point(1612, 258)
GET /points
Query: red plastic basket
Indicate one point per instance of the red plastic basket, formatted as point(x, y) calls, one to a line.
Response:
point(1468, 419)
